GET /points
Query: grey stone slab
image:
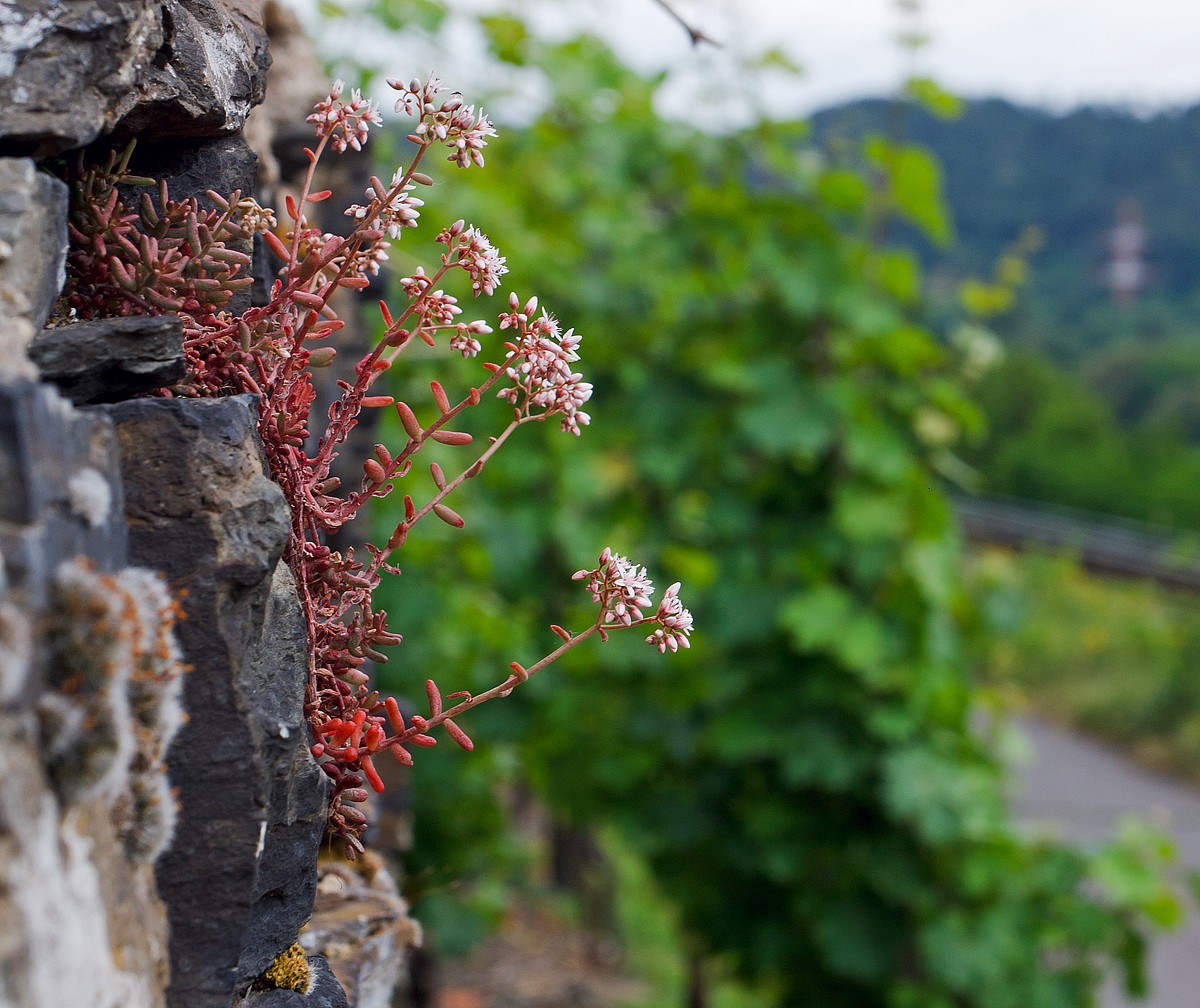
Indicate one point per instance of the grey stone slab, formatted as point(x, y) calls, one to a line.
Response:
point(109, 360)
point(239, 880)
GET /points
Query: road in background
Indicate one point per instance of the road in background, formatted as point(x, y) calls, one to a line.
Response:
point(1084, 790)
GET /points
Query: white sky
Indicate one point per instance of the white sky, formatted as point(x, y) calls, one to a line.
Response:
point(1139, 54)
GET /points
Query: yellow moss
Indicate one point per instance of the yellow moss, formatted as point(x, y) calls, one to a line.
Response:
point(290, 969)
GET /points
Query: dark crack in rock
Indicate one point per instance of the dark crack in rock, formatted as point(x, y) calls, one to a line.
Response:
point(191, 168)
point(239, 880)
point(108, 360)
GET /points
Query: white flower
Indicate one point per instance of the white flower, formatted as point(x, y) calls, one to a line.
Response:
point(540, 366)
point(345, 123)
point(481, 260)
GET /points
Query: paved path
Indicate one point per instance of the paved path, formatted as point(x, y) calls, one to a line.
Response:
point(1085, 790)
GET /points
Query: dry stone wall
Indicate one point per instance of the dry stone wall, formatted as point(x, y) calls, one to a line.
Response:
point(160, 812)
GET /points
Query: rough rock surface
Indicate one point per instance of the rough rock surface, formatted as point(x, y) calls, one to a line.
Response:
point(71, 70)
point(80, 923)
point(239, 880)
point(33, 254)
point(192, 167)
point(111, 359)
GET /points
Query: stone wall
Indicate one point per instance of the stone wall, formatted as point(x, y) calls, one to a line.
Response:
point(160, 812)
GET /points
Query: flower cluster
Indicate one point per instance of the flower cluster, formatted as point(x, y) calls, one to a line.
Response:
point(675, 622)
point(540, 366)
point(269, 351)
point(475, 253)
point(440, 307)
point(346, 124)
point(623, 589)
point(453, 123)
point(395, 207)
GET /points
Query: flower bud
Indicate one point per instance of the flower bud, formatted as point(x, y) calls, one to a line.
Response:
point(354, 795)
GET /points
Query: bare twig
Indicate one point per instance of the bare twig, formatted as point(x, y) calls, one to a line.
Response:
point(695, 34)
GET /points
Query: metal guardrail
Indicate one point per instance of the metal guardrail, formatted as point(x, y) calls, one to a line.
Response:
point(1103, 543)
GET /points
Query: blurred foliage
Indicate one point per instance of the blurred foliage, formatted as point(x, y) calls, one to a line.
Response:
point(1097, 404)
point(1053, 438)
point(1008, 168)
point(1119, 659)
point(770, 420)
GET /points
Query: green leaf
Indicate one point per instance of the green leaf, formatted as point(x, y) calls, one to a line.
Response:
point(508, 38)
point(843, 190)
point(930, 96)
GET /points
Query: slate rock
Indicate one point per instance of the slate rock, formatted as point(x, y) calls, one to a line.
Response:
point(324, 992)
point(239, 879)
point(33, 235)
point(72, 70)
point(108, 360)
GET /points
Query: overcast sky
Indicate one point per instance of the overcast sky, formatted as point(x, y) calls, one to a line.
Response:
point(1139, 54)
point(1057, 53)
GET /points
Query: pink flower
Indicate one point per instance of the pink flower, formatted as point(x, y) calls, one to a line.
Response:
point(540, 366)
point(464, 339)
point(484, 263)
point(620, 586)
point(675, 622)
point(452, 123)
point(345, 123)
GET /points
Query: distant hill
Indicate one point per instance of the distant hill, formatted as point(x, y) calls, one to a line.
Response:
point(1095, 405)
point(1007, 167)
